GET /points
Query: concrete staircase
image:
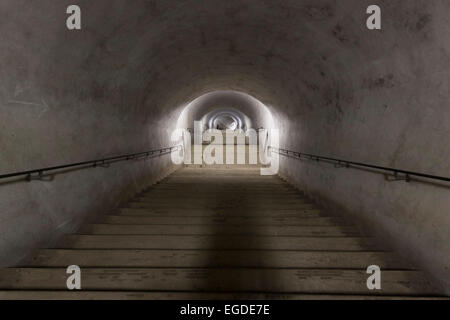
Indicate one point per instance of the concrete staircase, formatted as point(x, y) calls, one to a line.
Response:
point(216, 233)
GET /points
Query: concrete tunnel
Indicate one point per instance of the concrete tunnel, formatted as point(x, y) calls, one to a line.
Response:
point(137, 70)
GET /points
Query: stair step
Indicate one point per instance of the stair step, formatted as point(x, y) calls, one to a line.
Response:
point(215, 258)
point(256, 184)
point(194, 189)
point(253, 174)
point(223, 179)
point(220, 200)
point(216, 232)
point(262, 182)
point(231, 205)
point(214, 187)
point(220, 229)
point(272, 221)
point(146, 295)
point(186, 192)
point(216, 173)
point(211, 213)
point(223, 166)
point(218, 242)
point(317, 281)
point(201, 196)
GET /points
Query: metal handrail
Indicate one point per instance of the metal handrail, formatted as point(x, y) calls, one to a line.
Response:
point(345, 163)
point(91, 163)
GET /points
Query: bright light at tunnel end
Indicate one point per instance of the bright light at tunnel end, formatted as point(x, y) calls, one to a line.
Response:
point(259, 147)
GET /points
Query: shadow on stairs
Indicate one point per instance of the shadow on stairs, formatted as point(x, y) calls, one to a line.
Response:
point(216, 233)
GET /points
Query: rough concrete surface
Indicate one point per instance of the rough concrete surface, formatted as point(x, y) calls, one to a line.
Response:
point(333, 87)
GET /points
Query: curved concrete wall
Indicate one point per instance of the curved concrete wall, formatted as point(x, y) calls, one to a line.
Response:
point(333, 87)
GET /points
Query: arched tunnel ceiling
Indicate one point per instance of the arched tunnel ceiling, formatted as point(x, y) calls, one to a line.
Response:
point(312, 62)
point(197, 48)
point(184, 49)
point(173, 51)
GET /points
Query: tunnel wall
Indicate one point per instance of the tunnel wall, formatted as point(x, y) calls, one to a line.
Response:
point(389, 108)
point(58, 106)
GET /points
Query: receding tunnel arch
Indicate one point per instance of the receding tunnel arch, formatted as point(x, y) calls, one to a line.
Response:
point(225, 120)
point(247, 111)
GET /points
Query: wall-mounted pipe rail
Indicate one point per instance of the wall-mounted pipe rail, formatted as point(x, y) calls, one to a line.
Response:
point(391, 174)
point(105, 162)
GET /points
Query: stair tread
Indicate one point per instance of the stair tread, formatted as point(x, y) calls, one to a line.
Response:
point(186, 213)
point(142, 219)
point(218, 242)
point(175, 204)
point(154, 295)
point(236, 220)
point(216, 232)
point(219, 229)
point(318, 281)
point(215, 258)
